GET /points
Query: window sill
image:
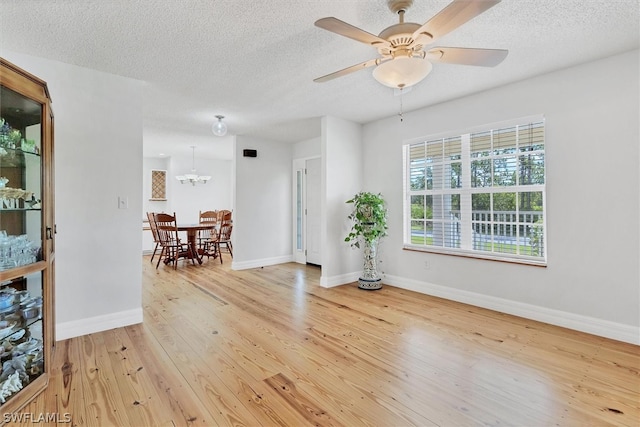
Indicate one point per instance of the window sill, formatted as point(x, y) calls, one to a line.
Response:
point(476, 255)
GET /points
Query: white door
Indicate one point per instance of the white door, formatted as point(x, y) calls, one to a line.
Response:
point(312, 209)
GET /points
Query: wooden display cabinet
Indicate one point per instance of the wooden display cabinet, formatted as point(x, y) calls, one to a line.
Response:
point(27, 237)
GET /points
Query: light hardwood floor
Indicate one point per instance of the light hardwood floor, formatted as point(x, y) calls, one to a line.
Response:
point(269, 347)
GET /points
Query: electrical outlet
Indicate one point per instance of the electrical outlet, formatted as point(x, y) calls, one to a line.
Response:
point(427, 265)
point(123, 202)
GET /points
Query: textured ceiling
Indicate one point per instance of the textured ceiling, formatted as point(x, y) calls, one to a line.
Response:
point(254, 61)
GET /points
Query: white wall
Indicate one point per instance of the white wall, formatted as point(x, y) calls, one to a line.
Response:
point(306, 149)
point(592, 280)
point(341, 147)
point(262, 217)
point(98, 157)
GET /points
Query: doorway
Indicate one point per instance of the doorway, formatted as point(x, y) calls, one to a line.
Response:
point(307, 176)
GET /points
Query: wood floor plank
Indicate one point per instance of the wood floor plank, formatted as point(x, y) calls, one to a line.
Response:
point(270, 347)
point(67, 378)
point(136, 389)
point(100, 392)
point(174, 391)
point(223, 404)
point(279, 334)
point(246, 349)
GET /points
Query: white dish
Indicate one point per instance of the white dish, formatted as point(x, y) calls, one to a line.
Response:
point(18, 335)
point(6, 331)
point(23, 296)
point(27, 346)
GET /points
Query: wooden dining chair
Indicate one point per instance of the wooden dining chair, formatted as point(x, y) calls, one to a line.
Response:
point(206, 238)
point(172, 248)
point(154, 232)
point(224, 214)
point(224, 234)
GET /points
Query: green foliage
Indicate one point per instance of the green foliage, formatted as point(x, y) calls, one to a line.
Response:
point(527, 201)
point(504, 202)
point(418, 211)
point(369, 218)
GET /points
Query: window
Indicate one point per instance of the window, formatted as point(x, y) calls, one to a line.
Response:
point(479, 193)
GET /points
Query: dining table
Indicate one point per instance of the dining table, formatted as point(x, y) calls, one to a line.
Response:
point(192, 234)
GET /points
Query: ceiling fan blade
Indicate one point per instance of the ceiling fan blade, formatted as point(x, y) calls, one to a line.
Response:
point(467, 56)
point(340, 27)
point(451, 17)
point(349, 70)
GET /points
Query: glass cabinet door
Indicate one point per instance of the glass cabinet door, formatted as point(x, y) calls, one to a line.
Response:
point(20, 180)
point(22, 269)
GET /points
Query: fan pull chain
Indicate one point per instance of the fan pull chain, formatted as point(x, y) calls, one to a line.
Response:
point(401, 117)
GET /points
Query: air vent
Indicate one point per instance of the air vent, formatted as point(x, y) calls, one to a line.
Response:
point(401, 41)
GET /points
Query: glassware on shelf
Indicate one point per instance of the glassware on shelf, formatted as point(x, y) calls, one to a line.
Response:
point(5, 254)
point(16, 251)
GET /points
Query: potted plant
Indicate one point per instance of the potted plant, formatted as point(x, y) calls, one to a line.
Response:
point(369, 224)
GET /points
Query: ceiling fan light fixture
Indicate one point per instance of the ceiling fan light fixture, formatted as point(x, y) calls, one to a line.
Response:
point(402, 71)
point(219, 128)
point(403, 47)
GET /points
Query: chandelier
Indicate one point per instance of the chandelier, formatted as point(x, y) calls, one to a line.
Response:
point(193, 178)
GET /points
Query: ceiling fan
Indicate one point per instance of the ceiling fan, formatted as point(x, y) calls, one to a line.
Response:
point(403, 60)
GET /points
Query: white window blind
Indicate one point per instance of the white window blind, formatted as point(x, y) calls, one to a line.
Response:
point(479, 193)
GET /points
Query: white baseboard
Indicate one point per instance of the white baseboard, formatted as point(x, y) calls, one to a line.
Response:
point(91, 325)
point(603, 328)
point(343, 279)
point(245, 265)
